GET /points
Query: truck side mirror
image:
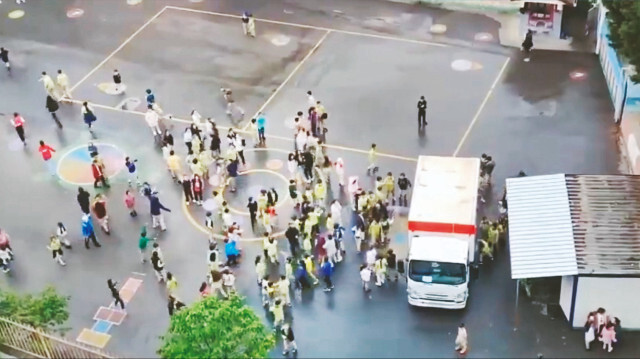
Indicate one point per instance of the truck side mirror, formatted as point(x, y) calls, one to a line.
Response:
point(475, 271)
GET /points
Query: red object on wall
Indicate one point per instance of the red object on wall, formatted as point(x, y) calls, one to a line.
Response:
point(442, 227)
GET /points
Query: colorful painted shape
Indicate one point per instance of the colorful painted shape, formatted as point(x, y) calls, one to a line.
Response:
point(103, 313)
point(117, 316)
point(74, 166)
point(132, 284)
point(101, 326)
point(95, 339)
point(127, 295)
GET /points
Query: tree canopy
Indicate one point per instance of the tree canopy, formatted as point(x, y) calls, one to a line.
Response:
point(46, 310)
point(214, 328)
point(624, 26)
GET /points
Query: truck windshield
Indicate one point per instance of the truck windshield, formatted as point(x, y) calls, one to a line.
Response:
point(437, 272)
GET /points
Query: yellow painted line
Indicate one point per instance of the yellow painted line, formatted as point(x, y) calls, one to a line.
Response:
point(206, 230)
point(397, 157)
point(355, 33)
point(114, 52)
point(482, 105)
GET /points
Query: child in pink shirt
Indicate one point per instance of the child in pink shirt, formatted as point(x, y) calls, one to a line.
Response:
point(130, 202)
point(608, 337)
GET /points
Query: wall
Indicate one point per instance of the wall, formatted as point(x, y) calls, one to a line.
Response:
point(619, 296)
point(566, 295)
point(624, 94)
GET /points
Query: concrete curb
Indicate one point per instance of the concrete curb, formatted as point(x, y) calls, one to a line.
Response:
point(475, 6)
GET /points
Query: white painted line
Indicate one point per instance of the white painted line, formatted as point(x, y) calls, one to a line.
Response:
point(138, 273)
point(484, 103)
point(114, 52)
point(276, 137)
point(355, 33)
point(293, 72)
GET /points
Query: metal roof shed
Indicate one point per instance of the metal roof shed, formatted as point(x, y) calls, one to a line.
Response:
point(603, 211)
point(540, 229)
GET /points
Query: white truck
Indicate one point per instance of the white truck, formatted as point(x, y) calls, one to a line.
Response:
point(442, 232)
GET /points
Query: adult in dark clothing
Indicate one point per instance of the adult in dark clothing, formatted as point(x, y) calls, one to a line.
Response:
point(272, 197)
point(115, 293)
point(84, 200)
point(52, 106)
point(391, 265)
point(307, 160)
point(4, 56)
point(527, 44)
point(292, 234)
point(488, 168)
point(167, 139)
point(215, 143)
point(422, 112)
point(253, 212)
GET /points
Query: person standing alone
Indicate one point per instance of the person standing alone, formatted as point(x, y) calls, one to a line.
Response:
point(422, 112)
point(527, 45)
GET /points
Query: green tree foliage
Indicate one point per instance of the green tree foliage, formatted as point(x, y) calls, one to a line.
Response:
point(214, 328)
point(46, 310)
point(624, 26)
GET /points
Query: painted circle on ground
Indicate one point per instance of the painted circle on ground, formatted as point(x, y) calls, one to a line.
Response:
point(133, 2)
point(74, 12)
point(483, 36)
point(74, 166)
point(462, 65)
point(15, 145)
point(201, 228)
point(578, 75)
point(274, 164)
point(438, 29)
point(15, 14)
point(280, 40)
point(111, 89)
point(256, 190)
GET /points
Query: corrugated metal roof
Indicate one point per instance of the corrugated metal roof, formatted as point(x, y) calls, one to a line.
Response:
point(540, 228)
point(605, 211)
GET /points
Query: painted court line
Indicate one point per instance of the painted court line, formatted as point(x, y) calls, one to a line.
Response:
point(293, 72)
point(355, 33)
point(114, 52)
point(482, 105)
point(282, 138)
